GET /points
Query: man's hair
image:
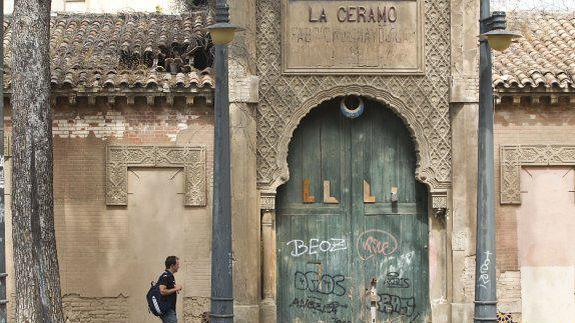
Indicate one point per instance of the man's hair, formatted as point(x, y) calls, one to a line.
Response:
point(171, 260)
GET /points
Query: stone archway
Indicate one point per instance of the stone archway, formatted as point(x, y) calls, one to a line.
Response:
point(424, 171)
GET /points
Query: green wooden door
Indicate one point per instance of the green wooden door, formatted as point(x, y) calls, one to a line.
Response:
point(339, 226)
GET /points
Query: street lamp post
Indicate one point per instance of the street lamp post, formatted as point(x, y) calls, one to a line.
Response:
point(493, 35)
point(222, 299)
point(3, 275)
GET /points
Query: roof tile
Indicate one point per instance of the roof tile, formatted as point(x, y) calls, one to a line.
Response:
point(95, 51)
point(543, 57)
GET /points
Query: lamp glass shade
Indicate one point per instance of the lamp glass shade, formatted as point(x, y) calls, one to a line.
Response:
point(223, 33)
point(222, 36)
point(499, 39)
point(499, 42)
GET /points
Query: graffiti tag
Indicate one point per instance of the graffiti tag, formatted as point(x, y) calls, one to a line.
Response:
point(373, 243)
point(484, 271)
point(315, 282)
point(393, 304)
point(392, 280)
point(336, 320)
point(316, 246)
point(315, 304)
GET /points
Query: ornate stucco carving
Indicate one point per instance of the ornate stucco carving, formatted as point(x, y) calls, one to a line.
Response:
point(421, 101)
point(439, 204)
point(7, 144)
point(192, 159)
point(514, 157)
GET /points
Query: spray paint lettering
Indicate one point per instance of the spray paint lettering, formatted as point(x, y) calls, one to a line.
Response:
point(484, 271)
point(316, 246)
point(394, 304)
point(393, 280)
point(373, 243)
point(317, 305)
point(317, 283)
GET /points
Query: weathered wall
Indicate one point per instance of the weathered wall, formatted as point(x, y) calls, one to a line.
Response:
point(109, 255)
point(464, 115)
point(525, 229)
point(544, 223)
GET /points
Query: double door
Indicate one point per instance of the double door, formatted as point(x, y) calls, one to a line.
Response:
point(352, 226)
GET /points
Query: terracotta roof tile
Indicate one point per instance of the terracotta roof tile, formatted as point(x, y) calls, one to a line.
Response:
point(97, 51)
point(544, 57)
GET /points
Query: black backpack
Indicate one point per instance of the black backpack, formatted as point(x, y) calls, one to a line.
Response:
point(157, 303)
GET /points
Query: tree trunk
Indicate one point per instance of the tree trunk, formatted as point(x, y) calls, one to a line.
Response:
point(38, 297)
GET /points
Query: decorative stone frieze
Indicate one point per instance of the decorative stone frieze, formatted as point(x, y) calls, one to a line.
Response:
point(192, 159)
point(514, 157)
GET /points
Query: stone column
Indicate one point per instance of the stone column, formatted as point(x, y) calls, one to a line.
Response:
point(245, 213)
point(464, 98)
point(268, 306)
point(245, 209)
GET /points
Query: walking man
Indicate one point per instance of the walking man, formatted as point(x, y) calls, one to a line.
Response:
point(169, 289)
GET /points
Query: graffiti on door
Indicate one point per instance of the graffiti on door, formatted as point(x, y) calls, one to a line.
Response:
point(375, 243)
point(321, 286)
point(352, 210)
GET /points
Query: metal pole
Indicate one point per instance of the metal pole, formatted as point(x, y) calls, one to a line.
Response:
point(485, 281)
point(222, 301)
point(3, 301)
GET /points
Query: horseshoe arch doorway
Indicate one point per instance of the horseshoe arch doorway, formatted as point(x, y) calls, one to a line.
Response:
point(352, 213)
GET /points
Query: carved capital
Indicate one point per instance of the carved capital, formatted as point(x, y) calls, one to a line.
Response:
point(191, 159)
point(439, 204)
point(268, 201)
point(7, 144)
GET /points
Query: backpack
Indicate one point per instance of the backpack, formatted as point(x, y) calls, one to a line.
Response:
point(157, 304)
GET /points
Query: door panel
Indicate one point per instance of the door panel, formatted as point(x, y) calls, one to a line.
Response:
point(332, 246)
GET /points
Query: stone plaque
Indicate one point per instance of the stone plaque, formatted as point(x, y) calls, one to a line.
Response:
point(352, 37)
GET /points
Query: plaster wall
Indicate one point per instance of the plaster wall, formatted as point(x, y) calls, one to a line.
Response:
point(545, 223)
point(109, 255)
point(461, 224)
point(526, 258)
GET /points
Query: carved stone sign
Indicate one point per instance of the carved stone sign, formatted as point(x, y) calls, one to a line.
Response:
point(352, 37)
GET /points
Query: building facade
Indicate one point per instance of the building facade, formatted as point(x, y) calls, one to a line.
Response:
point(354, 161)
point(534, 169)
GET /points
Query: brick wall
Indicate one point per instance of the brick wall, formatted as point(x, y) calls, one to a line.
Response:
point(516, 125)
point(524, 125)
point(79, 309)
point(92, 238)
point(194, 309)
